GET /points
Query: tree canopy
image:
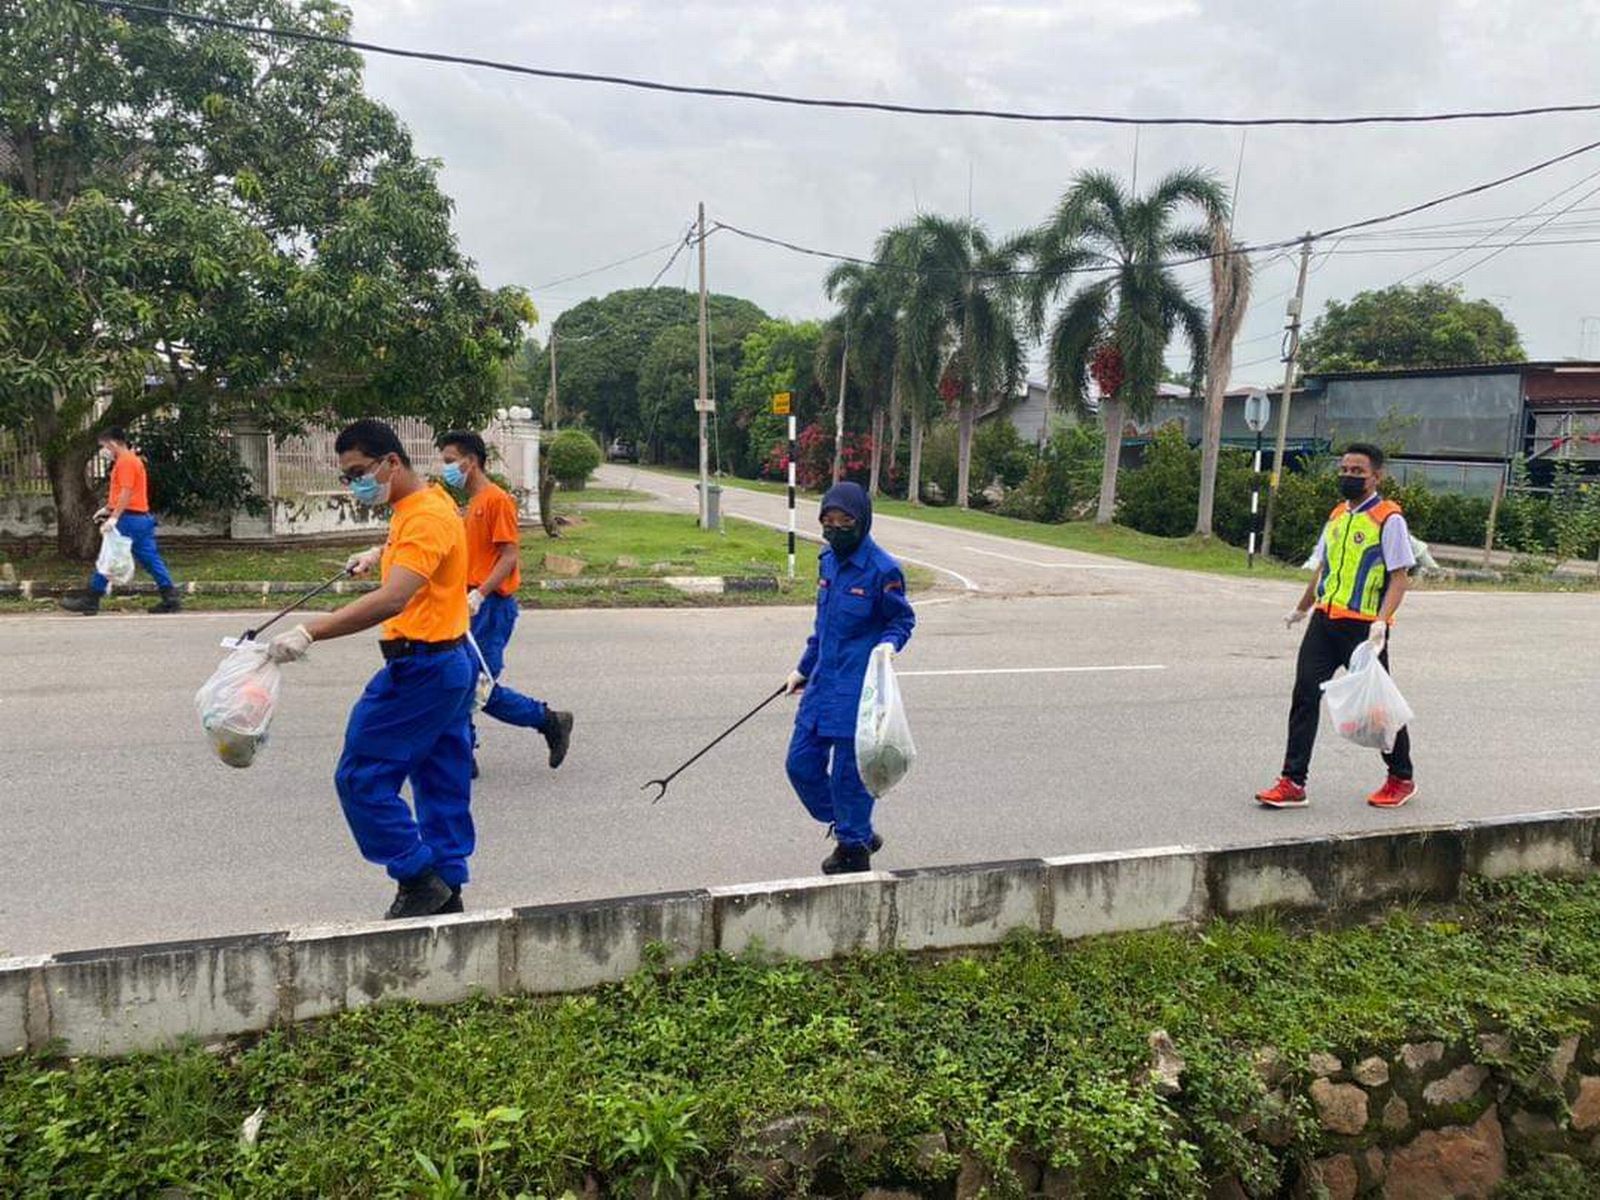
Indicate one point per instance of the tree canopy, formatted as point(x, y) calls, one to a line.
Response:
point(189, 213)
point(1426, 325)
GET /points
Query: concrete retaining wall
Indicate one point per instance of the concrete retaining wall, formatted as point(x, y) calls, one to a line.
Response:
point(138, 997)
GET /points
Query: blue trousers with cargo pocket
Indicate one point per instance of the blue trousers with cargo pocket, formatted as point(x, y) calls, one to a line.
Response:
point(491, 629)
point(835, 797)
point(412, 723)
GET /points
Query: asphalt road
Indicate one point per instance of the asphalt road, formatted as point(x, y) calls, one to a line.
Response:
point(1061, 704)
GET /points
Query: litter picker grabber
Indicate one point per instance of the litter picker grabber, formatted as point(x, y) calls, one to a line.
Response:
point(250, 635)
point(662, 783)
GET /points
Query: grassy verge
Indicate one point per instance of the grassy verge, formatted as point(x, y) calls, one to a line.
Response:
point(873, 1064)
point(610, 543)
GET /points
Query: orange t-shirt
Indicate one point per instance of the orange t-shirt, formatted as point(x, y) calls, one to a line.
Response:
point(426, 536)
point(492, 523)
point(128, 472)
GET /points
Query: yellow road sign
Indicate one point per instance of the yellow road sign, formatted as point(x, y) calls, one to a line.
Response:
point(781, 403)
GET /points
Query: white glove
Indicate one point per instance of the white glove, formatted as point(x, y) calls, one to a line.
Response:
point(365, 562)
point(1294, 618)
point(795, 683)
point(290, 647)
point(474, 601)
point(101, 514)
point(1378, 635)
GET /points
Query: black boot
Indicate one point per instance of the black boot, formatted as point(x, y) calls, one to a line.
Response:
point(168, 603)
point(87, 603)
point(420, 896)
point(874, 845)
point(453, 905)
point(558, 734)
point(847, 860)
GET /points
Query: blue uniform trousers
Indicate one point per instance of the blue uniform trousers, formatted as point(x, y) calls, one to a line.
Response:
point(491, 629)
point(140, 529)
point(836, 797)
point(412, 722)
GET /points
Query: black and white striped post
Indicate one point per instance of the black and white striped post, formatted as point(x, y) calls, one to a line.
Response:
point(782, 406)
point(1257, 412)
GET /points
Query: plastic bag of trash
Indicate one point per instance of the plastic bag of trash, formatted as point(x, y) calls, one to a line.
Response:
point(1366, 706)
point(236, 704)
point(116, 555)
point(484, 687)
point(884, 749)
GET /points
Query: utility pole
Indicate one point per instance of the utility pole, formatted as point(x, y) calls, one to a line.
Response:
point(703, 404)
point(552, 409)
point(1290, 362)
point(838, 421)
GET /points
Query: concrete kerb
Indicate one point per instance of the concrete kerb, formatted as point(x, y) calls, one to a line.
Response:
point(141, 997)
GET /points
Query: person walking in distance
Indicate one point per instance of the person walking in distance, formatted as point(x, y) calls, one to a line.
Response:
point(1364, 560)
point(494, 573)
point(127, 510)
point(861, 603)
point(413, 720)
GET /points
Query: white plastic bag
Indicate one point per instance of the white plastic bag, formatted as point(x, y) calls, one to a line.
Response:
point(116, 555)
point(236, 704)
point(884, 749)
point(1366, 706)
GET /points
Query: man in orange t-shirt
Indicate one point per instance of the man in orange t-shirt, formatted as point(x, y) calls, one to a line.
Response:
point(127, 510)
point(413, 720)
point(494, 573)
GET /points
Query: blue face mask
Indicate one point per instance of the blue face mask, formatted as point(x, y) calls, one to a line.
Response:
point(453, 475)
point(368, 491)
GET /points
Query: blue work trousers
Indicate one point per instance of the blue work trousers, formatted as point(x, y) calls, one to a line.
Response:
point(412, 723)
point(835, 797)
point(140, 529)
point(491, 629)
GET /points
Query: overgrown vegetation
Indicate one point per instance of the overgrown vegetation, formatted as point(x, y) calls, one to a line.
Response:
point(684, 1082)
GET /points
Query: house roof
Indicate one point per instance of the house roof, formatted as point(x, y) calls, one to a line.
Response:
point(1499, 368)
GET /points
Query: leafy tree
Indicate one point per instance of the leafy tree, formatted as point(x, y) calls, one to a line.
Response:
point(191, 215)
point(866, 327)
point(776, 356)
point(1123, 318)
point(1427, 325)
point(601, 346)
point(573, 457)
point(669, 380)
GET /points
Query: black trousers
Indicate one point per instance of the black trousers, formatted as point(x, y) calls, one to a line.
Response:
point(1327, 646)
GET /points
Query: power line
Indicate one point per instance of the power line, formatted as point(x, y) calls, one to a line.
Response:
point(608, 266)
point(684, 242)
point(1498, 250)
point(652, 85)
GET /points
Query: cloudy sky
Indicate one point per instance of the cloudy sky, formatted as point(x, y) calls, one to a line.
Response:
point(554, 178)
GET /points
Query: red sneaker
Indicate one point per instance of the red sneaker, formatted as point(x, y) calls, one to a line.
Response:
point(1286, 793)
point(1393, 793)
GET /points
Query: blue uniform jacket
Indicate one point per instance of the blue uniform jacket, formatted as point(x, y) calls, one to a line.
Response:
point(860, 602)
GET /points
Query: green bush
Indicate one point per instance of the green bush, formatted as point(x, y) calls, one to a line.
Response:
point(193, 471)
point(1163, 494)
point(574, 455)
point(1064, 481)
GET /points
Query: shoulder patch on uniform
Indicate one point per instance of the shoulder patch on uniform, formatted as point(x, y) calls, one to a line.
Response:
point(856, 591)
point(895, 585)
point(822, 581)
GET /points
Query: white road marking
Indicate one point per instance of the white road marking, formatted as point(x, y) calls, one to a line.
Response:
point(1038, 670)
point(1061, 566)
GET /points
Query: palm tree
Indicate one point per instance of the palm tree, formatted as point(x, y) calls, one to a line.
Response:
point(1230, 297)
point(958, 319)
point(920, 333)
point(868, 301)
point(1128, 316)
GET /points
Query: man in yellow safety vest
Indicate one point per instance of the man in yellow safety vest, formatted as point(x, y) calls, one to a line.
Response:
point(1364, 559)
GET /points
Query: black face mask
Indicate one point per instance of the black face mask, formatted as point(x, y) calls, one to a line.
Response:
point(843, 540)
point(1352, 487)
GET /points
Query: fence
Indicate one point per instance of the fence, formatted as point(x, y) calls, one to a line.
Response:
point(22, 470)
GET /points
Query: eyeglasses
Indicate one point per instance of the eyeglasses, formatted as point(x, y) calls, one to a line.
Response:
point(349, 477)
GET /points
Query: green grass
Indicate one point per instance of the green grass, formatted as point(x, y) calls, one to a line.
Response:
point(1036, 1047)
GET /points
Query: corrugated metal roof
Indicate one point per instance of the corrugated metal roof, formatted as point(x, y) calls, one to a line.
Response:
point(1499, 368)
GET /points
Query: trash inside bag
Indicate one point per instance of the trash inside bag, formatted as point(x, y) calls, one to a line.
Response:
point(486, 683)
point(884, 749)
point(1366, 706)
point(236, 704)
point(116, 555)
